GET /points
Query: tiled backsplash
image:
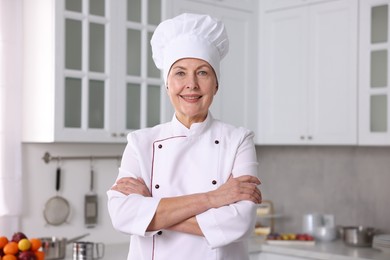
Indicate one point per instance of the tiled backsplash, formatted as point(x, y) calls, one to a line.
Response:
point(353, 183)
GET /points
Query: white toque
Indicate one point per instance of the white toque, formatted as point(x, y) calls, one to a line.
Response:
point(189, 36)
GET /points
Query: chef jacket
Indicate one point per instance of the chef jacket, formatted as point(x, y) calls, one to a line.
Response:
point(173, 161)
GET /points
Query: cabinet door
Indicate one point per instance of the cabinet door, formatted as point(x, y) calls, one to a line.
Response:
point(234, 101)
point(111, 85)
point(333, 73)
point(139, 85)
point(270, 5)
point(83, 78)
point(248, 5)
point(308, 75)
point(283, 78)
point(374, 90)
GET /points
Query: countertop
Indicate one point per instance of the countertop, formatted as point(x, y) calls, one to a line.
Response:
point(335, 250)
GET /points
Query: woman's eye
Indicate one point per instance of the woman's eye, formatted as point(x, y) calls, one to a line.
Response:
point(180, 73)
point(202, 73)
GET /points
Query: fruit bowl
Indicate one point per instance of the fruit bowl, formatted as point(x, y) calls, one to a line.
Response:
point(20, 247)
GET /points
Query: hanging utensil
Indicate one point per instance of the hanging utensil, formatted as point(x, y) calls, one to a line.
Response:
point(91, 202)
point(57, 208)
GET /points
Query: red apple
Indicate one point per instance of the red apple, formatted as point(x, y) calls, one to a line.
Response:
point(27, 255)
point(18, 236)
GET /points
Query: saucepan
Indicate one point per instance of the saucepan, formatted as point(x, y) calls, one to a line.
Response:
point(55, 247)
point(360, 236)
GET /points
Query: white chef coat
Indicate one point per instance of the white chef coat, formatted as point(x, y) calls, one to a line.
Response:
point(173, 161)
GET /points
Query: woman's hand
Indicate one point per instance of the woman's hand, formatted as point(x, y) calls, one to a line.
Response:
point(234, 190)
point(130, 185)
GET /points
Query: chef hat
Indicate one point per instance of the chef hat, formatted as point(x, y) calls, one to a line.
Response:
point(189, 36)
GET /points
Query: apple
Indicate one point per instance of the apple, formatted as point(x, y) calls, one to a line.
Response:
point(309, 238)
point(27, 255)
point(18, 236)
point(285, 237)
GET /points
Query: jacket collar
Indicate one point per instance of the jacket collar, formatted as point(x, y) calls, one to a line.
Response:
point(195, 129)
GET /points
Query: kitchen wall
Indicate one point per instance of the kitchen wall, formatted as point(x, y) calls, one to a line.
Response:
point(353, 183)
point(39, 186)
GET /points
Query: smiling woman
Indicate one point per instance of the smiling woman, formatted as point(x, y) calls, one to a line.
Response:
point(189, 183)
point(10, 114)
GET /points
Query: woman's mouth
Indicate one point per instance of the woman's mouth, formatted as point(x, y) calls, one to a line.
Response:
point(190, 98)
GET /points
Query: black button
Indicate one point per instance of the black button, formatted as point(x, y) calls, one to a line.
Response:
point(160, 146)
point(216, 142)
point(159, 233)
point(214, 182)
point(157, 186)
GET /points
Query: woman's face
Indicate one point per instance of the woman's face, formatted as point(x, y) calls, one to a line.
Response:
point(191, 85)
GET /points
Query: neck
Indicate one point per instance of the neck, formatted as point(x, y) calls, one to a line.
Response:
point(188, 121)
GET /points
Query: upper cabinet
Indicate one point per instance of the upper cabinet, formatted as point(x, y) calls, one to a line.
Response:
point(236, 96)
point(308, 72)
point(247, 5)
point(88, 74)
point(270, 5)
point(374, 88)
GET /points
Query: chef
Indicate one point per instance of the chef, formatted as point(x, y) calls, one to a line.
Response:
point(187, 189)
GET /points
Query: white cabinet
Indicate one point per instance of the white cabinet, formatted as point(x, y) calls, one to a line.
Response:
point(281, 4)
point(308, 71)
point(248, 5)
point(236, 97)
point(88, 74)
point(374, 86)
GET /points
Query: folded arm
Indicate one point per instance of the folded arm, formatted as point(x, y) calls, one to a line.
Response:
point(178, 213)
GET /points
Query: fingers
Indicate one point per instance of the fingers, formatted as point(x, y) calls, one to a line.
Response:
point(250, 192)
point(246, 188)
point(249, 179)
point(130, 185)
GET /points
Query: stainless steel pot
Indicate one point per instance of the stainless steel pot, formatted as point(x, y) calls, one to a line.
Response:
point(358, 236)
point(55, 247)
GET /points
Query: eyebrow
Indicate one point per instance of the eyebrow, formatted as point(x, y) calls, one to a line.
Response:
point(184, 68)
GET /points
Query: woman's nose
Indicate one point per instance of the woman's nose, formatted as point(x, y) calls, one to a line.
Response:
point(192, 82)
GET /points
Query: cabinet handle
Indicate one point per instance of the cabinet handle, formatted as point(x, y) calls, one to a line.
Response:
point(118, 135)
point(302, 137)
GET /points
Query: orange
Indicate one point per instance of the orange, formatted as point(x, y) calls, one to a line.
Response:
point(3, 241)
point(36, 243)
point(9, 257)
point(11, 248)
point(40, 255)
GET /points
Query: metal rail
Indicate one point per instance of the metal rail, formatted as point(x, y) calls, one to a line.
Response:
point(47, 157)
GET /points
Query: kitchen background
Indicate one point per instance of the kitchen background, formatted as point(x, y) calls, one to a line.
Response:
point(349, 181)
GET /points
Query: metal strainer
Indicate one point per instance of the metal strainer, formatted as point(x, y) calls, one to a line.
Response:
point(57, 208)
